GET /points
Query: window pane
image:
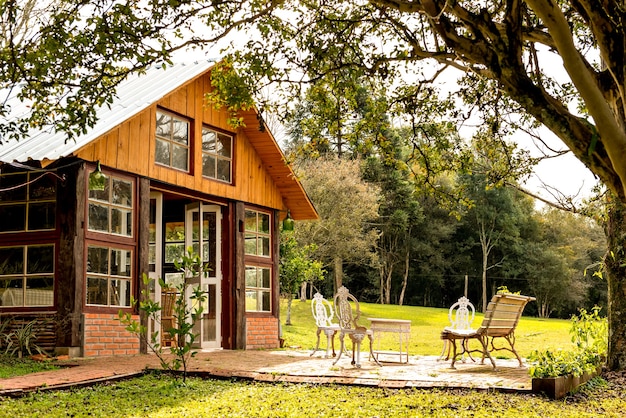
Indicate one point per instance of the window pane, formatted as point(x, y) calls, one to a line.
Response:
point(180, 133)
point(120, 263)
point(40, 259)
point(264, 245)
point(163, 125)
point(13, 217)
point(98, 260)
point(174, 252)
point(162, 154)
point(121, 221)
point(122, 193)
point(43, 189)
point(223, 170)
point(10, 192)
point(224, 145)
point(12, 292)
point(39, 291)
point(11, 260)
point(208, 166)
point(266, 306)
point(251, 277)
point(179, 159)
point(265, 278)
point(250, 244)
point(97, 291)
point(102, 195)
point(98, 217)
point(208, 141)
point(250, 221)
point(41, 216)
point(120, 292)
point(264, 223)
point(251, 300)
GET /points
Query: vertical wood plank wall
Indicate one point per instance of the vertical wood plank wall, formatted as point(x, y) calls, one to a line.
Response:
point(130, 147)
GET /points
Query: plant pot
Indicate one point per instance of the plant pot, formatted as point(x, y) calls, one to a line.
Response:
point(558, 387)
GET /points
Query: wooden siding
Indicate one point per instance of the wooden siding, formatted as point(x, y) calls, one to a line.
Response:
point(130, 147)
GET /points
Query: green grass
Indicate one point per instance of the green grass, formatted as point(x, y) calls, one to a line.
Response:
point(160, 396)
point(426, 325)
point(10, 366)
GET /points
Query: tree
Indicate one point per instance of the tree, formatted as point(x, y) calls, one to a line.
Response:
point(507, 50)
point(296, 267)
point(65, 58)
point(346, 205)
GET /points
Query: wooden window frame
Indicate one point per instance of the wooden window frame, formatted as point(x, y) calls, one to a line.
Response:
point(171, 142)
point(215, 154)
point(24, 275)
point(131, 278)
point(261, 261)
point(28, 201)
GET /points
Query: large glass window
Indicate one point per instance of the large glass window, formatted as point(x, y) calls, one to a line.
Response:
point(172, 141)
point(109, 276)
point(258, 236)
point(216, 155)
point(111, 209)
point(259, 268)
point(258, 289)
point(27, 202)
point(27, 275)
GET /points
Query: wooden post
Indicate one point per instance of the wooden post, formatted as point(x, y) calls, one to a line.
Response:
point(465, 293)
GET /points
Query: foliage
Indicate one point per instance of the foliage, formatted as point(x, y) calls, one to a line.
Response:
point(296, 267)
point(347, 205)
point(21, 339)
point(187, 311)
point(590, 337)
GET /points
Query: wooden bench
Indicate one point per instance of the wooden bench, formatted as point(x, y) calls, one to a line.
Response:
point(500, 320)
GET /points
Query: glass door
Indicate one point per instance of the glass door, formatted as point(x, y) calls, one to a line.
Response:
point(203, 234)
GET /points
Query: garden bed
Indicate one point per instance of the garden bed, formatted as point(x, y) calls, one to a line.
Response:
point(558, 387)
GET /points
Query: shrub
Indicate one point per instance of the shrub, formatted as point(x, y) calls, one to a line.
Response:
point(590, 337)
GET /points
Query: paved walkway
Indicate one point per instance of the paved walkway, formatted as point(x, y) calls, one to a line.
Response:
point(294, 366)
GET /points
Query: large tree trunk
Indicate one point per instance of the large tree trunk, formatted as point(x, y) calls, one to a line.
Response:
point(616, 277)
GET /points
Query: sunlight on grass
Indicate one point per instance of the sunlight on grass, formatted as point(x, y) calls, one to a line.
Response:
point(426, 326)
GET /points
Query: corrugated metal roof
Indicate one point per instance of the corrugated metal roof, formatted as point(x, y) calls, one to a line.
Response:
point(135, 94)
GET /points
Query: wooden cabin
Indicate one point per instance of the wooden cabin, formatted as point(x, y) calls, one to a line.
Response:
point(176, 175)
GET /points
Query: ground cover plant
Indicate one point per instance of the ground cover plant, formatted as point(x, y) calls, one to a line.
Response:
point(161, 396)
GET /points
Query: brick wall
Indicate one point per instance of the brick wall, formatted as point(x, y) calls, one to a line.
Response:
point(106, 336)
point(261, 332)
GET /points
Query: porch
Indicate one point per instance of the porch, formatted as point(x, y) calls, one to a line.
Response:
point(293, 366)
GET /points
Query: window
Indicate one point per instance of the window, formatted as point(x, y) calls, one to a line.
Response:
point(27, 202)
point(109, 276)
point(216, 155)
point(258, 237)
point(259, 273)
point(111, 209)
point(27, 275)
point(258, 289)
point(172, 141)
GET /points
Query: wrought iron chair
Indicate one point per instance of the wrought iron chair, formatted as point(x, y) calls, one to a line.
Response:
point(349, 325)
point(323, 314)
point(461, 315)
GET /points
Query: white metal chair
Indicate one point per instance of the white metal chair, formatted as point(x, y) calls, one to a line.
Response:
point(461, 315)
point(323, 314)
point(349, 325)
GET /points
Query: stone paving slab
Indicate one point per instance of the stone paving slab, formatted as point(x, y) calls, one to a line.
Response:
point(294, 366)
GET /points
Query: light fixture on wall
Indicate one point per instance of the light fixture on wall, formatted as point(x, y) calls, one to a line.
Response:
point(97, 179)
point(288, 222)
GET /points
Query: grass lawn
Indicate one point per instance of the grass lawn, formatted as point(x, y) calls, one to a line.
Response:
point(426, 325)
point(162, 396)
point(10, 366)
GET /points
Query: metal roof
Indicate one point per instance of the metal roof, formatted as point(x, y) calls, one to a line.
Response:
point(134, 94)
